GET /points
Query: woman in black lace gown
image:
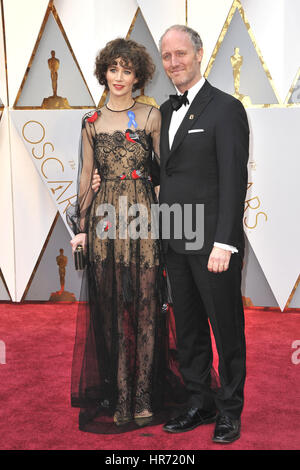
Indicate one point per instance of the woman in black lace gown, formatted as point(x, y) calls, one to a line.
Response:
point(121, 371)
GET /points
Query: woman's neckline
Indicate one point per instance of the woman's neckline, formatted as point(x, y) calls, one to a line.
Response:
point(120, 110)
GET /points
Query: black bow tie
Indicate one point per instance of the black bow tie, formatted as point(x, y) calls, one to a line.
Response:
point(178, 100)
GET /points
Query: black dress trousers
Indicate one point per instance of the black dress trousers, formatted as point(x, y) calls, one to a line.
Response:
point(198, 296)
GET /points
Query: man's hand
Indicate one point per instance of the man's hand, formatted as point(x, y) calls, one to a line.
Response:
point(79, 239)
point(218, 260)
point(96, 181)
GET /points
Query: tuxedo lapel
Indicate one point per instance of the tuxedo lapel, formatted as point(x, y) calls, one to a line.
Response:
point(198, 105)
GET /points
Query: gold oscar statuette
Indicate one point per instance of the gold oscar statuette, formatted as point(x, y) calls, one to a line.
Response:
point(54, 101)
point(62, 295)
point(236, 63)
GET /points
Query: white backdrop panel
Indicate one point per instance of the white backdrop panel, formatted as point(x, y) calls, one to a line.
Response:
point(275, 25)
point(89, 25)
point(159, 15)
point(23, 21)
point(274, 170)
point(3, 94)
point(34, 211)
point(7, 253)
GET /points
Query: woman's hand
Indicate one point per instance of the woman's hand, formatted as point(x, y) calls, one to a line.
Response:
point(79, 239)
point(96, 181)
point(156, 189)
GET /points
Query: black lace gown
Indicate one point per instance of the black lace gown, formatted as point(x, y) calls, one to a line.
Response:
point(124, 364)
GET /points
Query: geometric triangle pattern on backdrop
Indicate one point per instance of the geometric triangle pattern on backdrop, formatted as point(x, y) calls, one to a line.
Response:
point(47, 279)
point(275, 26)
point(255, 287)
point(236, 66)
point(47, 82)
point(271, 218)
point(38, 176)
point(23, 22)
point(51, 138)
point(33, 210)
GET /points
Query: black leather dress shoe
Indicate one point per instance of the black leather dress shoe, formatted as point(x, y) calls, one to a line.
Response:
point(227, 430)
point(190, 420)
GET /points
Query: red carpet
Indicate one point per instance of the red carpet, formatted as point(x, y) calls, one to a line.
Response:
point(34, 387)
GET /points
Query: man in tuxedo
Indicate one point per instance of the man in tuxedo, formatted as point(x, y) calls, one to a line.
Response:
point(204, 154)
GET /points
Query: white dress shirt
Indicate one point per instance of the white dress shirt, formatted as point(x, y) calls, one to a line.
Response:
point(176, 119)
point(177, 116)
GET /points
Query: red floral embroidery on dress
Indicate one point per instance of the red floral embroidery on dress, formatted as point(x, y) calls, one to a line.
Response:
point(135, 174)
point(93, 117)
point(128, 136)
point(107, 226)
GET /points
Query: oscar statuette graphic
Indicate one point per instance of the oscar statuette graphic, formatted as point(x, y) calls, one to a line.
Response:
point(54, 101)
point(62, 295)
point(236, 63)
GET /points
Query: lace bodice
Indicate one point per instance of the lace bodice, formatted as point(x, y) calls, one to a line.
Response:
point(121, 145)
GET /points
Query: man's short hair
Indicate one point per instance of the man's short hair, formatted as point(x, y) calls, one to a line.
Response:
point(194, 36)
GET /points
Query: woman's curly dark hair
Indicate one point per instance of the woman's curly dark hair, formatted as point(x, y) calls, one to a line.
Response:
point(132, 54)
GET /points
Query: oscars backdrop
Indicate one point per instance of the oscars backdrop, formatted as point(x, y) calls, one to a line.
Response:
point(47, 84)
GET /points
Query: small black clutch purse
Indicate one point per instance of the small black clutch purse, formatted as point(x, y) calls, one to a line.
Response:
point(79, 258)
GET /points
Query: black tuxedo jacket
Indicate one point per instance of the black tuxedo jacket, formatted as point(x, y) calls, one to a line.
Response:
point(207, 167)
